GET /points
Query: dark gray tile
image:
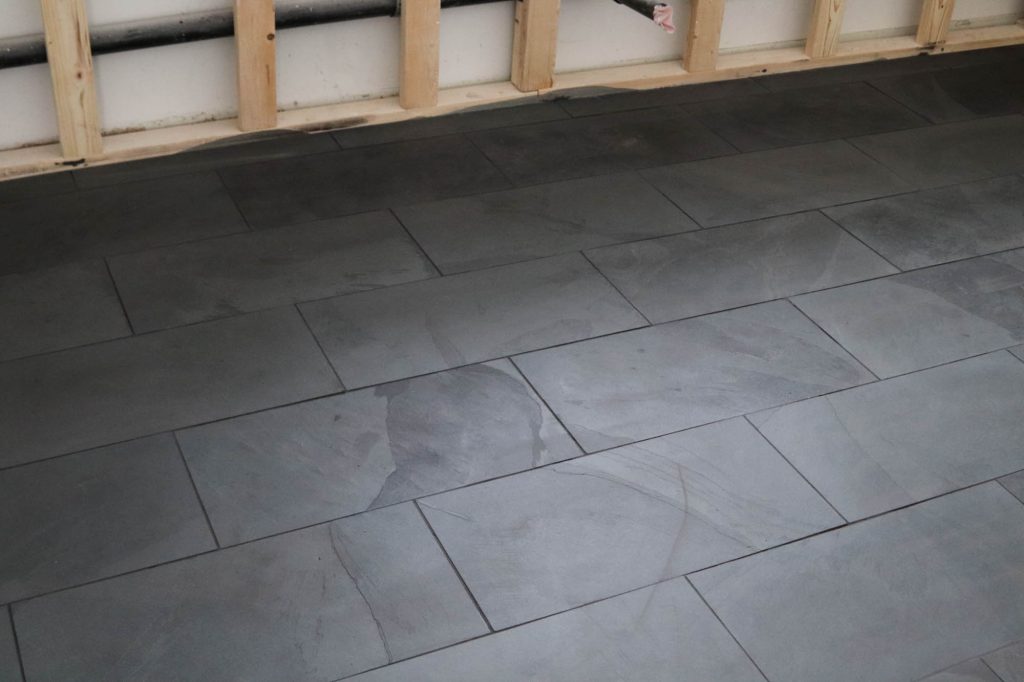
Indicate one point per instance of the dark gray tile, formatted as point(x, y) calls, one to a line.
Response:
point(357, 180)
point(52, 230)
point(596, 145)
point(927, 317)
point(45, 185)
point(896, 597)
point(210, 157)
point(114, 391)
point(958, 94)
point(533, 222)
point(1008, 662)
point(702, 272)
point(622, 388)
point(316, 604)
point(427, 326)
point(659, 634)
point(885, 445)
point(1018, 351)
point(782, 119)
point(603, 101)
point(951, 153)
point(973, 670)
point(10, 668)
point(940, 225)
point(449, 125)
point(1015, 484)
point(67, 306)
point(286, 468)
point(770, 183)
point(544, 541)
point(96, 514)
point(242, 273)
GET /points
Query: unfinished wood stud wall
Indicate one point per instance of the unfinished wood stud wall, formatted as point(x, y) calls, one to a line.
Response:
point(421, 50)
point(935, 19)
point(534, 44)
point(704, 35)
point(826, 25)
point(255, 35)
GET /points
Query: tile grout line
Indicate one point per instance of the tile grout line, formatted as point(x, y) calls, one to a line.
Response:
point(494, 164)
point(834, 340)
point(999, 480)
point(234, 202)
point(906, 107)
point(323, 353)
point(987, 666)
point(17, 644)
point(746, 418)
point(195, 489)
point(405, 228)
point(458, 574)
point(725, 627)
point(844, 230)
point(551, 411)
point(612, 284)
point(120, 301)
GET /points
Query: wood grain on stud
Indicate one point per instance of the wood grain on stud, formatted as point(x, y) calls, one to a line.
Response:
point(257, 64)
point(935, 18)
point(534, 44)
point(826, 24)
point(704, 35)
point(421, 46)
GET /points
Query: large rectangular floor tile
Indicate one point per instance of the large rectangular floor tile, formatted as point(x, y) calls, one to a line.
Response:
point(316, 605)
point(294, 466)
point(109, 392)
point(58, 308)
point(419, 128)
point(96, 514)
point(220, 277)
point(51, 230)
point(649, 382)
point(877, 447)
point(659, 634)
point(1018, 351)
point(218, 155)
point(770, 183)
point(927, 317)
point(10, 668)
point(545, 220)
point(427, 326)
point(957, 94)
point(1008, 662)
point(548, 540)
point(973, 670)
point(940, 225)
point(353, 181)
point(891, 599)
point(702, 272)
point(589, 104)
point(596, 145)
point(783, 119)
point(951, 153)
point(1015, 484)
point(47, 185)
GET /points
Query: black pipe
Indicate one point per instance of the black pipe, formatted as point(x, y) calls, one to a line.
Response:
point(188, 28)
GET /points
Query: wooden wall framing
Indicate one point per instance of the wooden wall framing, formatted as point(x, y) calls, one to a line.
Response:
point(536, 30)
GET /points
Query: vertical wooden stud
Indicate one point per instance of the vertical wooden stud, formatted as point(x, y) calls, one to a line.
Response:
point(255, 34)
point(74, 85)
point(935, 19)
point(534, 44)
point(704, 35)
point(421, 50)
point(826, 24)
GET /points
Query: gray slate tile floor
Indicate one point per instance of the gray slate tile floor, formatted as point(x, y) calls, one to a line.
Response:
point(601, 413)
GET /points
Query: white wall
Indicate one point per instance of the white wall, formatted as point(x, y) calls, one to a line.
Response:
point(359, 59)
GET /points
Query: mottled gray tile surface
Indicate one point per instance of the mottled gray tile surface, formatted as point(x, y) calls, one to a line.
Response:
point(62, 307)
point(782, 119)
point(1008, 662)
point(659, 634)
point(596, 145)
point(426, 326)
point(1018, 351)
point(545, 220)
point(702, 272)
point(940, 225)
point(290, 467)
point(893, 598)
point(951, 153)
point(242, 273)
point(770, 183)
point(1015, 484)
point(548, 540)
point(109, 392)
point(10, 668)
point(310, 188)
point(973, 670)
point(622, 388)
point(877, 447)
point(852, 73)
point(51, 230)
point(96, 514)
point(317, 604)
point(927, 317)
point(957, 94)
point(217, 155)
point(594, 101)
point(419, 128)
point(47, 184)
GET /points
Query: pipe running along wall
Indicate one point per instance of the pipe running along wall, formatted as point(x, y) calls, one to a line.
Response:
point(188, 28)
